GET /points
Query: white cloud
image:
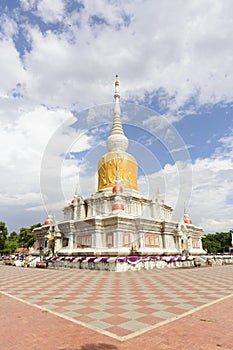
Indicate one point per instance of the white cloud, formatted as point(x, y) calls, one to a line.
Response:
point(178, 54)
point(227, 144)
point(176, 50)
point(179, 48)
point(212, 225)
point(204, 195)
point(11, 67)
point(28, 4)
point(27, 198)
point(8, 26)
point(50, 12)
point(204, 188)
point(22, 145)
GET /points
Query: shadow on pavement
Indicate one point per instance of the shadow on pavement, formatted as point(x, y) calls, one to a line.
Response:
point(100, 346)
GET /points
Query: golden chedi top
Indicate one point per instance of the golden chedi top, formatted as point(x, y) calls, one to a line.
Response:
point(117, 160)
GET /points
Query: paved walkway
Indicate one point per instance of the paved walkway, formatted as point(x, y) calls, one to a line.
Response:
point(155, 309)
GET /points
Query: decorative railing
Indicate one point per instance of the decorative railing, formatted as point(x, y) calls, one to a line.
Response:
point(119, 264)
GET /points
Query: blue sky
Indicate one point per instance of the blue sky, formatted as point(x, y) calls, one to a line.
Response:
point(58, 62)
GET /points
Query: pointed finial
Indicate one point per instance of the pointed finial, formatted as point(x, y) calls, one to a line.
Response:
point(187, 220)
point(76, 192)
point(117, 141)
point(117, 93)
point(49, 220)
point(117, 81)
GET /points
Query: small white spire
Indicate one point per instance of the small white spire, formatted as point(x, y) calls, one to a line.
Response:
point(76, 192)
point(187, 219)
point(117, 183)
point(157, 196)
point(117, 125)
point(117, 141)
point(118, 205)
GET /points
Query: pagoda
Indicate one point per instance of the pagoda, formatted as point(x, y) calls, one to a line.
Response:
point(118, 220)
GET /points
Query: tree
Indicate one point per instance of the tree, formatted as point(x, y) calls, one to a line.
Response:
point(3, 235)
point(225, 240)
point(211, 244)
point(35, 226)
point(26, 237)
point(11, 243)
point(218, 242)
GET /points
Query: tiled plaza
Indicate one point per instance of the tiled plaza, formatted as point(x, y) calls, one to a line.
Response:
point(120, 307)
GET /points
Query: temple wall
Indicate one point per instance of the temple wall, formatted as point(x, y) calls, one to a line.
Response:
point(124, 234)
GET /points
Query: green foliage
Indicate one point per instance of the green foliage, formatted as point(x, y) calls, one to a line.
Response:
point(8, 243)
point(218, 242)
point(3, 235)
point(26, 237)
point(11, 243)
point(35, 226)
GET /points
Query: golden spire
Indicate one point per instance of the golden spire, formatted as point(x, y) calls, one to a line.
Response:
point(117, 164)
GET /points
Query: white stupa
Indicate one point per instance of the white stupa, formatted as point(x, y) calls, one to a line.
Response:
point(118, 220)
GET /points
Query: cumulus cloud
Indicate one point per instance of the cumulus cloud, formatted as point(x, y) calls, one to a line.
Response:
point(227, 144)
point(207, 199)
point(28, 4)
point(65, 60)
point(22, 144)
point(204, 196)
point(178, 54)
point(11, 67)
point(51, 12)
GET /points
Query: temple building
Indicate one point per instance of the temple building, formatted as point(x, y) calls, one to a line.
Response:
point(118, 220)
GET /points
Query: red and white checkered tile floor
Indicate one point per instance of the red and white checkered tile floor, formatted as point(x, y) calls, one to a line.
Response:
point(120, 305)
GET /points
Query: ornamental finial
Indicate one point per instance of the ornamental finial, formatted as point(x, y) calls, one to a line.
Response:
point(117, 81)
